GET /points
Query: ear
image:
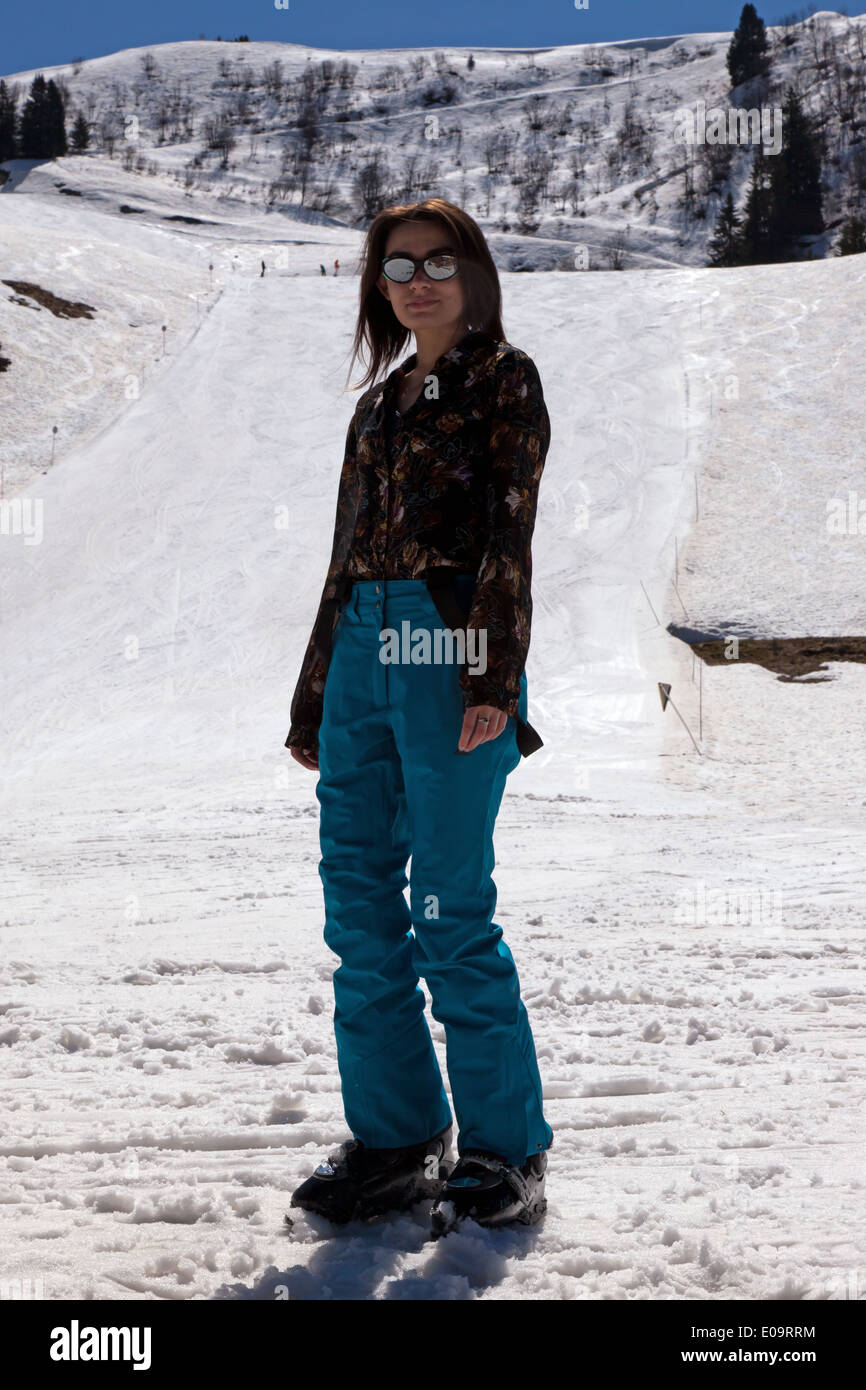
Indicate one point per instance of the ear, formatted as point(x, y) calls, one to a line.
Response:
point(382, 286)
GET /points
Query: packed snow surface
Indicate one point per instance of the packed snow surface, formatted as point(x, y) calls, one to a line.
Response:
point(687, 925)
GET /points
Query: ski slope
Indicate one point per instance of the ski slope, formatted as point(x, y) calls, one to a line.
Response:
point(166, 1039)
point(435, 122)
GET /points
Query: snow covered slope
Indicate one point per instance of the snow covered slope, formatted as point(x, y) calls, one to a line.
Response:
point(165, 996)
point(593, 126)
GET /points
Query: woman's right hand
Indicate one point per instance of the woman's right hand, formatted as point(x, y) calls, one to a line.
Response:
point(307, 757)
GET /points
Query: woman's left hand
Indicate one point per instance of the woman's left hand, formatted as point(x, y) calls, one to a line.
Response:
point(476, 731)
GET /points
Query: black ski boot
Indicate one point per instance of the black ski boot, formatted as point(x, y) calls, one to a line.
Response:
point(357, 1183)
point(491, 1192)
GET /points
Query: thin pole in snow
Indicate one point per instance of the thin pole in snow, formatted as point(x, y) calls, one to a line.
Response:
point(649, 601)
point(665, 697)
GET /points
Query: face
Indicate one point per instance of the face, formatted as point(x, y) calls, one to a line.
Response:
point(424, 303)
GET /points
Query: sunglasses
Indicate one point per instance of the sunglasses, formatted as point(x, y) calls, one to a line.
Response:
point(441, 265)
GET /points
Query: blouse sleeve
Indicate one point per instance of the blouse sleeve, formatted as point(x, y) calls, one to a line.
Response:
point(502, 602)
point(308, 699)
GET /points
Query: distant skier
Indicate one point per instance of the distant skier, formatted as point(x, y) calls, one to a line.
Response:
point(336, 267)
point(263, 269)
point(322, 269)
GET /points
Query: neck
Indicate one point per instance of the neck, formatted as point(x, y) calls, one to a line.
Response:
point(433, 343)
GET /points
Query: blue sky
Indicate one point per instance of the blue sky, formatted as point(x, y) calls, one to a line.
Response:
point(53, 32)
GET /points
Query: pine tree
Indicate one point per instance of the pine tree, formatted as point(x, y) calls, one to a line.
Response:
point(32, 140)
point(755, 242)
point(724, 247)
point(43, 128)
point(852, 242)
point(8, 122)
point(795, 180)
point(80, 134)
point(748, 54)
point(55, 120)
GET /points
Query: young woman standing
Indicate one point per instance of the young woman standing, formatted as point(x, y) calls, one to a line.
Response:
point(435, 513)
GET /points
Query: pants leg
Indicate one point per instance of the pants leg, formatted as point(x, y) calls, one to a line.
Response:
point(391, 783)
point(453, 800)
point(391, 1083)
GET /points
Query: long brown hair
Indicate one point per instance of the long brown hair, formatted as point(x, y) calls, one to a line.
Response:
point(378, 325)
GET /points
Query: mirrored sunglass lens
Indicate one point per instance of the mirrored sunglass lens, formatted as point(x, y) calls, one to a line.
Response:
point(440, 267)
point(399, 269)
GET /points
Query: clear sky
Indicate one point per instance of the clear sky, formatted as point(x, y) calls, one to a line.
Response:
point(56, 31)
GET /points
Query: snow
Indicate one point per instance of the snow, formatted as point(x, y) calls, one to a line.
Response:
point(385, 112)
point(688, 928)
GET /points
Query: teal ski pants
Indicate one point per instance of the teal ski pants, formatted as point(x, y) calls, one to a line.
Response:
point(392, 786)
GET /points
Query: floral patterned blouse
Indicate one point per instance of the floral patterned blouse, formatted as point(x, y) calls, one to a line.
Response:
point(453, 481)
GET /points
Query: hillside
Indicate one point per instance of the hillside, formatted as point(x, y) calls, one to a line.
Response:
point(549, 149)
point(686, 917)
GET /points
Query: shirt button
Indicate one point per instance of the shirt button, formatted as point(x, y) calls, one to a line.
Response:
point(377, 588)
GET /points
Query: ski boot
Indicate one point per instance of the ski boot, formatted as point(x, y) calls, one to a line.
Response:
point(357, 1183)
point(491, 1192)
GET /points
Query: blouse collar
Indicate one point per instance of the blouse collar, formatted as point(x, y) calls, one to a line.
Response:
point(457, 353)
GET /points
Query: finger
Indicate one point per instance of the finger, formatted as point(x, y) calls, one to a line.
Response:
point(475, 731)
point(494, 727)
point(467, 741)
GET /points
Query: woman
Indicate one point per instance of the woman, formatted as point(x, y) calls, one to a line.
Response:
point(435, 513)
